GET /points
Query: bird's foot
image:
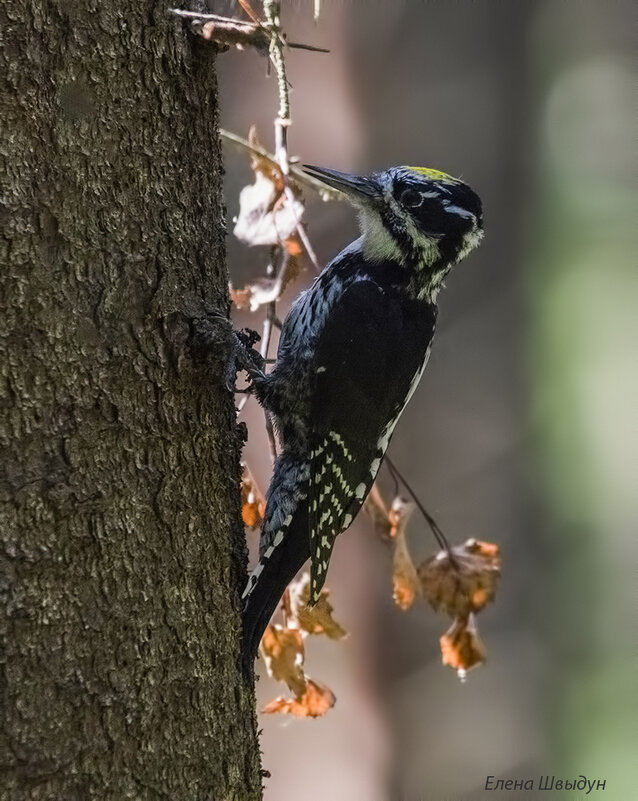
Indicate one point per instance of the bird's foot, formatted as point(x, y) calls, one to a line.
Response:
point(213, 333)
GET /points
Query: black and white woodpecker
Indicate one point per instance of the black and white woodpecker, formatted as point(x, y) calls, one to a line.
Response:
point(352, 350)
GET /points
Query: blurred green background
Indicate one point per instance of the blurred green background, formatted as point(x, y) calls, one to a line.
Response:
point(523, 430)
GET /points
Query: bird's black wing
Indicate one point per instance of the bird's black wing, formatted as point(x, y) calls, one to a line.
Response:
point(369, 356)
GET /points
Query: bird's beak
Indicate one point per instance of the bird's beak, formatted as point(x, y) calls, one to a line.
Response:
point(358, 189)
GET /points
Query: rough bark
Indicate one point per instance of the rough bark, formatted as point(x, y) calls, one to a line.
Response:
point(122, 546)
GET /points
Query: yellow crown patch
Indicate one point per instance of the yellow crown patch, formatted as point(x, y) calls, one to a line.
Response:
point(435, 175)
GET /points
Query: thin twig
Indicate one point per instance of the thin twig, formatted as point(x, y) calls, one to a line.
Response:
point(305, 241)
point(272, 9)
point(434, 526)
point(178, 12)
point(267, 334)
point(235, 32)
point(273, 26)
point(243, 401)
point(265, 348)
point(302, 46)
point(248, 10)
point(295, 172)
point(281, 161)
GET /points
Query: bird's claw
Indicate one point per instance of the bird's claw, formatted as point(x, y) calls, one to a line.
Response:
point(243, 356)
point(246, 357)
point(213, 334)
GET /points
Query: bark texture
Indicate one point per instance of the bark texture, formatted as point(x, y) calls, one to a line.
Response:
point(121, 542)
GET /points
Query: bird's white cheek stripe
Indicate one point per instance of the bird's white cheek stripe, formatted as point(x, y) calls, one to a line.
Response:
point(451, 209)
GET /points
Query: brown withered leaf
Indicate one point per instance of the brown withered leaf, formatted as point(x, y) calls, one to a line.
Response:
point(240, 297)
point(252, 296)
point(376, 508)
point(464, 582)
point(294, 246)
point(283, 653)
point(267, 214)
point(461, 647)
point(405, 580)
point(315, 620)
point(315, 701)
point(266, 166)
point(294, 263)
point(399, 514)
point(253, 503)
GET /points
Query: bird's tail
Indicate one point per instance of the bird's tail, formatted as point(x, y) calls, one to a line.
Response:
point(278, 565)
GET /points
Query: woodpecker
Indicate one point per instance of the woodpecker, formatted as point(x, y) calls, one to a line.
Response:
point(352, 350)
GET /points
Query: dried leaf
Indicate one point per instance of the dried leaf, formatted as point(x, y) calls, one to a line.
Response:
point(241, 297)
point(315, 620)
point(399, 514)
point(267, 214)
point(461, 647)
point(315, 701)
point(266, 166)
point(464, 582)
point(283, 653)
point(252, 296)
point(294, 263)
point(253, 503)
point(294, 246)
point(405, 580)
point(376, 508)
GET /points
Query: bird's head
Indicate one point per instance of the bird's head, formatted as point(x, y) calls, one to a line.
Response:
point(422, 218)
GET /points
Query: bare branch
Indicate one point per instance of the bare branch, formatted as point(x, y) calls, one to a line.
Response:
point(439, 536)
point(236, 33)
point(296, 173)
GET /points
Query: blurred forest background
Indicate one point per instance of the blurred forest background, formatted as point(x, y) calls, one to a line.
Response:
point(520, 432)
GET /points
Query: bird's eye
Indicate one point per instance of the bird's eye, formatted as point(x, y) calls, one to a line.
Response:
point(410, 198)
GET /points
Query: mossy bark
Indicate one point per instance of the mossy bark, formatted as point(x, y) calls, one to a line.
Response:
point(122, 546)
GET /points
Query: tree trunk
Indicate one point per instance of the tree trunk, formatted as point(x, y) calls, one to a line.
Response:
point(122, 544)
